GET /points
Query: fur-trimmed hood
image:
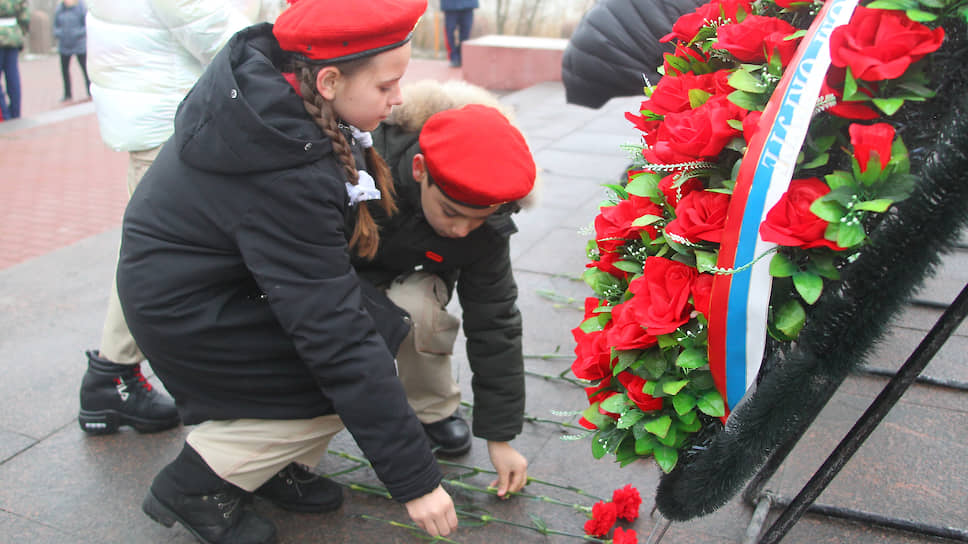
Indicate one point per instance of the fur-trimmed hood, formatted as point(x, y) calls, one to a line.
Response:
point(424, 98)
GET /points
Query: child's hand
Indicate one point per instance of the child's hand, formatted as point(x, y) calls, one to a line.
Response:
point(434, 512)
point(511, 467)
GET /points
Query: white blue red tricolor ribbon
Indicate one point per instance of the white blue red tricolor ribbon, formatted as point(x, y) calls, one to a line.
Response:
point(739, 302)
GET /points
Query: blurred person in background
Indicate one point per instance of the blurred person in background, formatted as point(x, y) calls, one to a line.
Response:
point(458, 21)
point(14, 25)
point(71, 34)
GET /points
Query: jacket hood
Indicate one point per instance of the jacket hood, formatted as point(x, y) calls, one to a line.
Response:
point(243, 116)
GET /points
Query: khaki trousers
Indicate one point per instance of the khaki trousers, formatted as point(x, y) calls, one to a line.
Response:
point(117, 345)
point(247, 452)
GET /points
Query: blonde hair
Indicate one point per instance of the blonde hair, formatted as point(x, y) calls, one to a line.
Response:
point(366, 234)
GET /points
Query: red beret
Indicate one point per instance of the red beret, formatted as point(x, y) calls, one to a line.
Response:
point(332, 30)
point(476, 156)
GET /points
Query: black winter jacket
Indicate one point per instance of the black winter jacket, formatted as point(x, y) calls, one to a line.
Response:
point(235, 275)
point(614, 45)
point(480, 267)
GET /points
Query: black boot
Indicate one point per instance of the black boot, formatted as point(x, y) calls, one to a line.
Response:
point(113, 395)
point(450, 436)
point(296, 488)
point(215, 511)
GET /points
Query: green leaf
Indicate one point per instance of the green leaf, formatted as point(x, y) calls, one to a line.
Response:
point(654, 364)
point(735, 123)
point(850, 86)
point(781, 266)
point(917, 89)
point(893, 4)
point(817, 161)
point(645, 444)
point(829, 210)
point(689, 427)
point(644, 184)
point(598, 446)
point(600, 281)
point(666, 458)
point(659, 426)
point(670, 439)
point(809, 285)
point(745, 100)
point(745, 81)
point(880, 205)
point(920, 16)
point(630, 418)
point(597, 418)
point(790, 318)
point(683, 403)
point(628, 266)
point(850, 235)
point(626, 358)
point(698, 97)
point(706, 260)
point(839, 178)
point(889, 105)
point(824, 265)
point(702, 380)
point(689, 417)
point(667, 341)
point(690, 359)
point(616, 404)
point(712, 404)
point(645, 220)
point(649, 388)
point(673, 387)
point(592, 324)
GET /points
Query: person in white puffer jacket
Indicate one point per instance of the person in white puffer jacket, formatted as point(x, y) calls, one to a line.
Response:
point(143, 57)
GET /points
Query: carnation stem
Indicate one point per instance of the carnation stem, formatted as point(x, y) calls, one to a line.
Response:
point(417, 530)
point(543, 530)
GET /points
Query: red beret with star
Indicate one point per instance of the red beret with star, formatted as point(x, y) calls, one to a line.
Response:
point(336, 30)
point(476, 157)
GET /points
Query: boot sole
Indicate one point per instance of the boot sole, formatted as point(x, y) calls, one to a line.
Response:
point(100, 422)
point(305, 508)
point(157, 511)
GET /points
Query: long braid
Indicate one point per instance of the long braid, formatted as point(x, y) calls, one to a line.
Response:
point(366, 234)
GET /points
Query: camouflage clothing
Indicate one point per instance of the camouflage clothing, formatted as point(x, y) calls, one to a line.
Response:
point(14, 23)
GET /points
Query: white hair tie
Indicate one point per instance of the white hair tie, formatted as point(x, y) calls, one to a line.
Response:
point(365, 189)
point(365, 139)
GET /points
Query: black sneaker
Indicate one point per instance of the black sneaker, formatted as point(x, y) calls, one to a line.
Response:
point(450, 436)
point(296, 488)
point(113, 395)
point(213, 510)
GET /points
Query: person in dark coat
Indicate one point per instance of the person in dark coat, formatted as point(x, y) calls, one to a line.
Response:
point(458, 22)
point(71, 34)
point(235, 276)
point(615, 49)
point(451, 231)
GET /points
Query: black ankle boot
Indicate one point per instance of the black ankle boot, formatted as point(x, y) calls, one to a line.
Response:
point(113, 395)
point(450, 436)
point(215, 511)
point(296, 488)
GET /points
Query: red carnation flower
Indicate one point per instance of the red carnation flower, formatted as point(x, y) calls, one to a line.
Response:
point(621, 536)
point(627, 500)
point(604, 515)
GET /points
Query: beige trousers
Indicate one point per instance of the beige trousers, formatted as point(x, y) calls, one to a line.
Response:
point(247, 452)
point(117, 345)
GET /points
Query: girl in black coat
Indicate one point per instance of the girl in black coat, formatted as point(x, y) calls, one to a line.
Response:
point(235, 275)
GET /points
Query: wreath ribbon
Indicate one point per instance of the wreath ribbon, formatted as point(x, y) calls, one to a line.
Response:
point(739, 302)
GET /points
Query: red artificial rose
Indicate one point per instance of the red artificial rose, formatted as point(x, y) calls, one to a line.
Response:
point(700, 216)
point(671, 95)
point(698, 134)
point(833, 84)
point(606, 263)
point(633, 385)
point(600, 392)
point(751, 123)
point(757, 38)
point(881, 43)
point(613, 225)
point(640, 122)
point(661, 301)
point(621, 536)
point(791, 223)
point(701, 291)
point(627, 500)
point(674, 194)
point(604, 515)
point(593, 357)
point(709, 14)
point(626, 333)
point(876, 138)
